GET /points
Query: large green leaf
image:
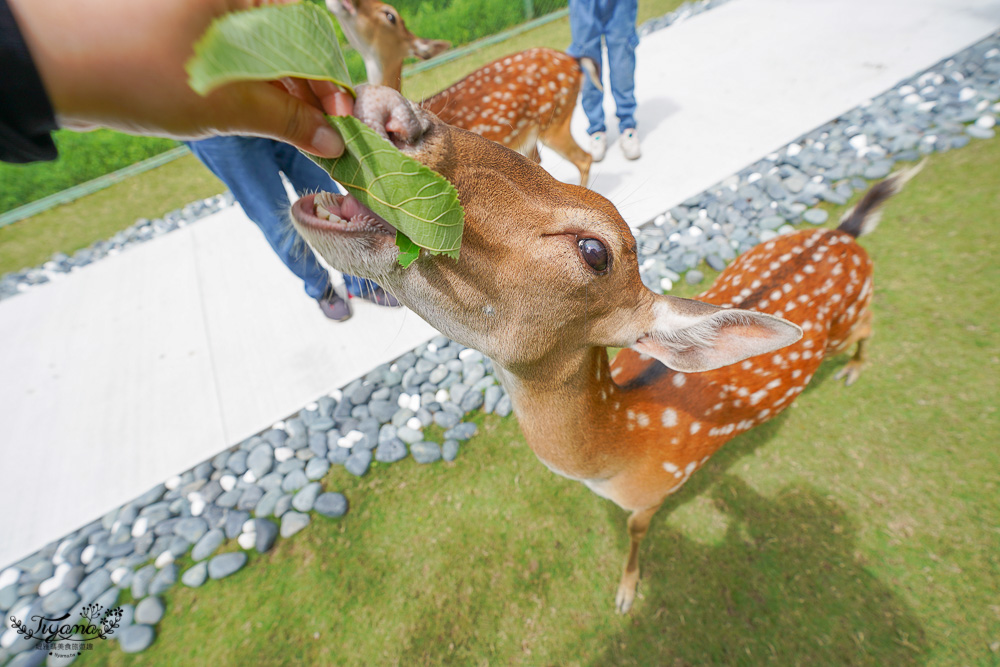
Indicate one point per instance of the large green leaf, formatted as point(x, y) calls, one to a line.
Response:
point(416, 201)
point(267, 43)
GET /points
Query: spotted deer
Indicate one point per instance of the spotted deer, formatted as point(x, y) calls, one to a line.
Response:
point(517, 100)
point(548, 280)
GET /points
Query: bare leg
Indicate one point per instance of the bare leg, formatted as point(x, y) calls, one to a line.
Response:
point(860, 335)
point(638, 524)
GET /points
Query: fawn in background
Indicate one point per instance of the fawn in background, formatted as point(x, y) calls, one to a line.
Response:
point(517, 100)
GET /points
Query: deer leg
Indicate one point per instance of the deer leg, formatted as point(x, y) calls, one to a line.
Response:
point(558, 137)
point(638, 524)
point(862, 332)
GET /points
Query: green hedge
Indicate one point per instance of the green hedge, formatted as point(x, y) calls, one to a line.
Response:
point(83, 156)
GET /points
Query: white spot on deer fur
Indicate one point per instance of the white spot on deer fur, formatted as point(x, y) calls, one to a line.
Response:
point(642, 419)
point(796, 373)
point(669, 417)
point(678, 474)
point(616, 372)
point(773, 383)
point(690, 468)
point(807, 355)
point(669, 467)
point(631, 415)
point(756, 397)
point(678, 379)
point(763, 414)
point(775, 295)
point(695, 427)
point(755, 284)
point(747, 365)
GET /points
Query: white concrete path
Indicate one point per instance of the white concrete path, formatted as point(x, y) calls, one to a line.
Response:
point(144, 364)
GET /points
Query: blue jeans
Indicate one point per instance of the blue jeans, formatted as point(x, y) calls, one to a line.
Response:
point(250, 166)
point(589, 20)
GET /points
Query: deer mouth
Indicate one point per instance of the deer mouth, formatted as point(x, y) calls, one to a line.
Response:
point(340, 214)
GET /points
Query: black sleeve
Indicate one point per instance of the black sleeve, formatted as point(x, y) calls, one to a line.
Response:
point(26, 115)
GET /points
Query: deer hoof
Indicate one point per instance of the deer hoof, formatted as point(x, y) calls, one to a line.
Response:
point(849, 373)
point(625, 596)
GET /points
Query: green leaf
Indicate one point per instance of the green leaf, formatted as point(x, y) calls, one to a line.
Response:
point(267, 43)
point(419, 203)
point(408, 250)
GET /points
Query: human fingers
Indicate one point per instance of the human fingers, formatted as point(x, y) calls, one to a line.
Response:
point(271, 112)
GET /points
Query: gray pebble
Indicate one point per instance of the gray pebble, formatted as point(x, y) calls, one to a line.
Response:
point(331, 505)
point(224, 565)
point(267, 533)
point(135, 638)
point(463, 431)
point(358, 462)
point(425, 452)
point(449, 450)
point(304, 499)
point(391, 451)
point(317, 468)
point(207, 545)
point(196, 575)
point(293, 522)
point(266, 505)
point(294, 481)
point(164, 579)
point(149, 611)
point(815, 216)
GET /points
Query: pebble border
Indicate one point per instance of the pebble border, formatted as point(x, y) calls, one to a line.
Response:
point(269, 485)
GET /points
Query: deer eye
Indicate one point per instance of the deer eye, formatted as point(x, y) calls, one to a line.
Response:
point(594, 254)
point(391, 18)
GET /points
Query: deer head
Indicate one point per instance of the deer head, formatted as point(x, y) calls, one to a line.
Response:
point(378, 33)
point(547, 270)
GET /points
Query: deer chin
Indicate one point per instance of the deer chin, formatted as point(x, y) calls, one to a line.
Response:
point(346, 233)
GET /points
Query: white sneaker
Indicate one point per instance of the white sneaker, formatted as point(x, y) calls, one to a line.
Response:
point(630, 144)
point(598, 146)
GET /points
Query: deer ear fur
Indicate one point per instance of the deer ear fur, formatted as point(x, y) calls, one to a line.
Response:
point(691, 336)
point(425, 49)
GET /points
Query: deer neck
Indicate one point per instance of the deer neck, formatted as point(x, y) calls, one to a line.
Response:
point(569, 412)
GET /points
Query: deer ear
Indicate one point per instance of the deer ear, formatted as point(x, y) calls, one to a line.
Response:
point(426, 49)
point(691, 336)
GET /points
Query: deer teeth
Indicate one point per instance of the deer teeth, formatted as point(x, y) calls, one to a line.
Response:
point(322, 212)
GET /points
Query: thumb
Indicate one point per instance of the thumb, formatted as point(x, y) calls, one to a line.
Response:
point(271, 112)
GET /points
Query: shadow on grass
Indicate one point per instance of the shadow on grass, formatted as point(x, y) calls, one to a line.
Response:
point(785, 584)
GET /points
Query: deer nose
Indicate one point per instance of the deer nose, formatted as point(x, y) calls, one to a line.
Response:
point(390, 114)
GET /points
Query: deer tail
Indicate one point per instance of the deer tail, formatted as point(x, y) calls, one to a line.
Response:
point(863, 218)
point(593, 71)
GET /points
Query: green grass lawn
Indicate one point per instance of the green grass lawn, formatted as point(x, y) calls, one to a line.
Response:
point(101, 215)
point(860, 527)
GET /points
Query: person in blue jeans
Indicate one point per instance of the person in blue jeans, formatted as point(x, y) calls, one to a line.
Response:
point(250, 166)
point(614, 20)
